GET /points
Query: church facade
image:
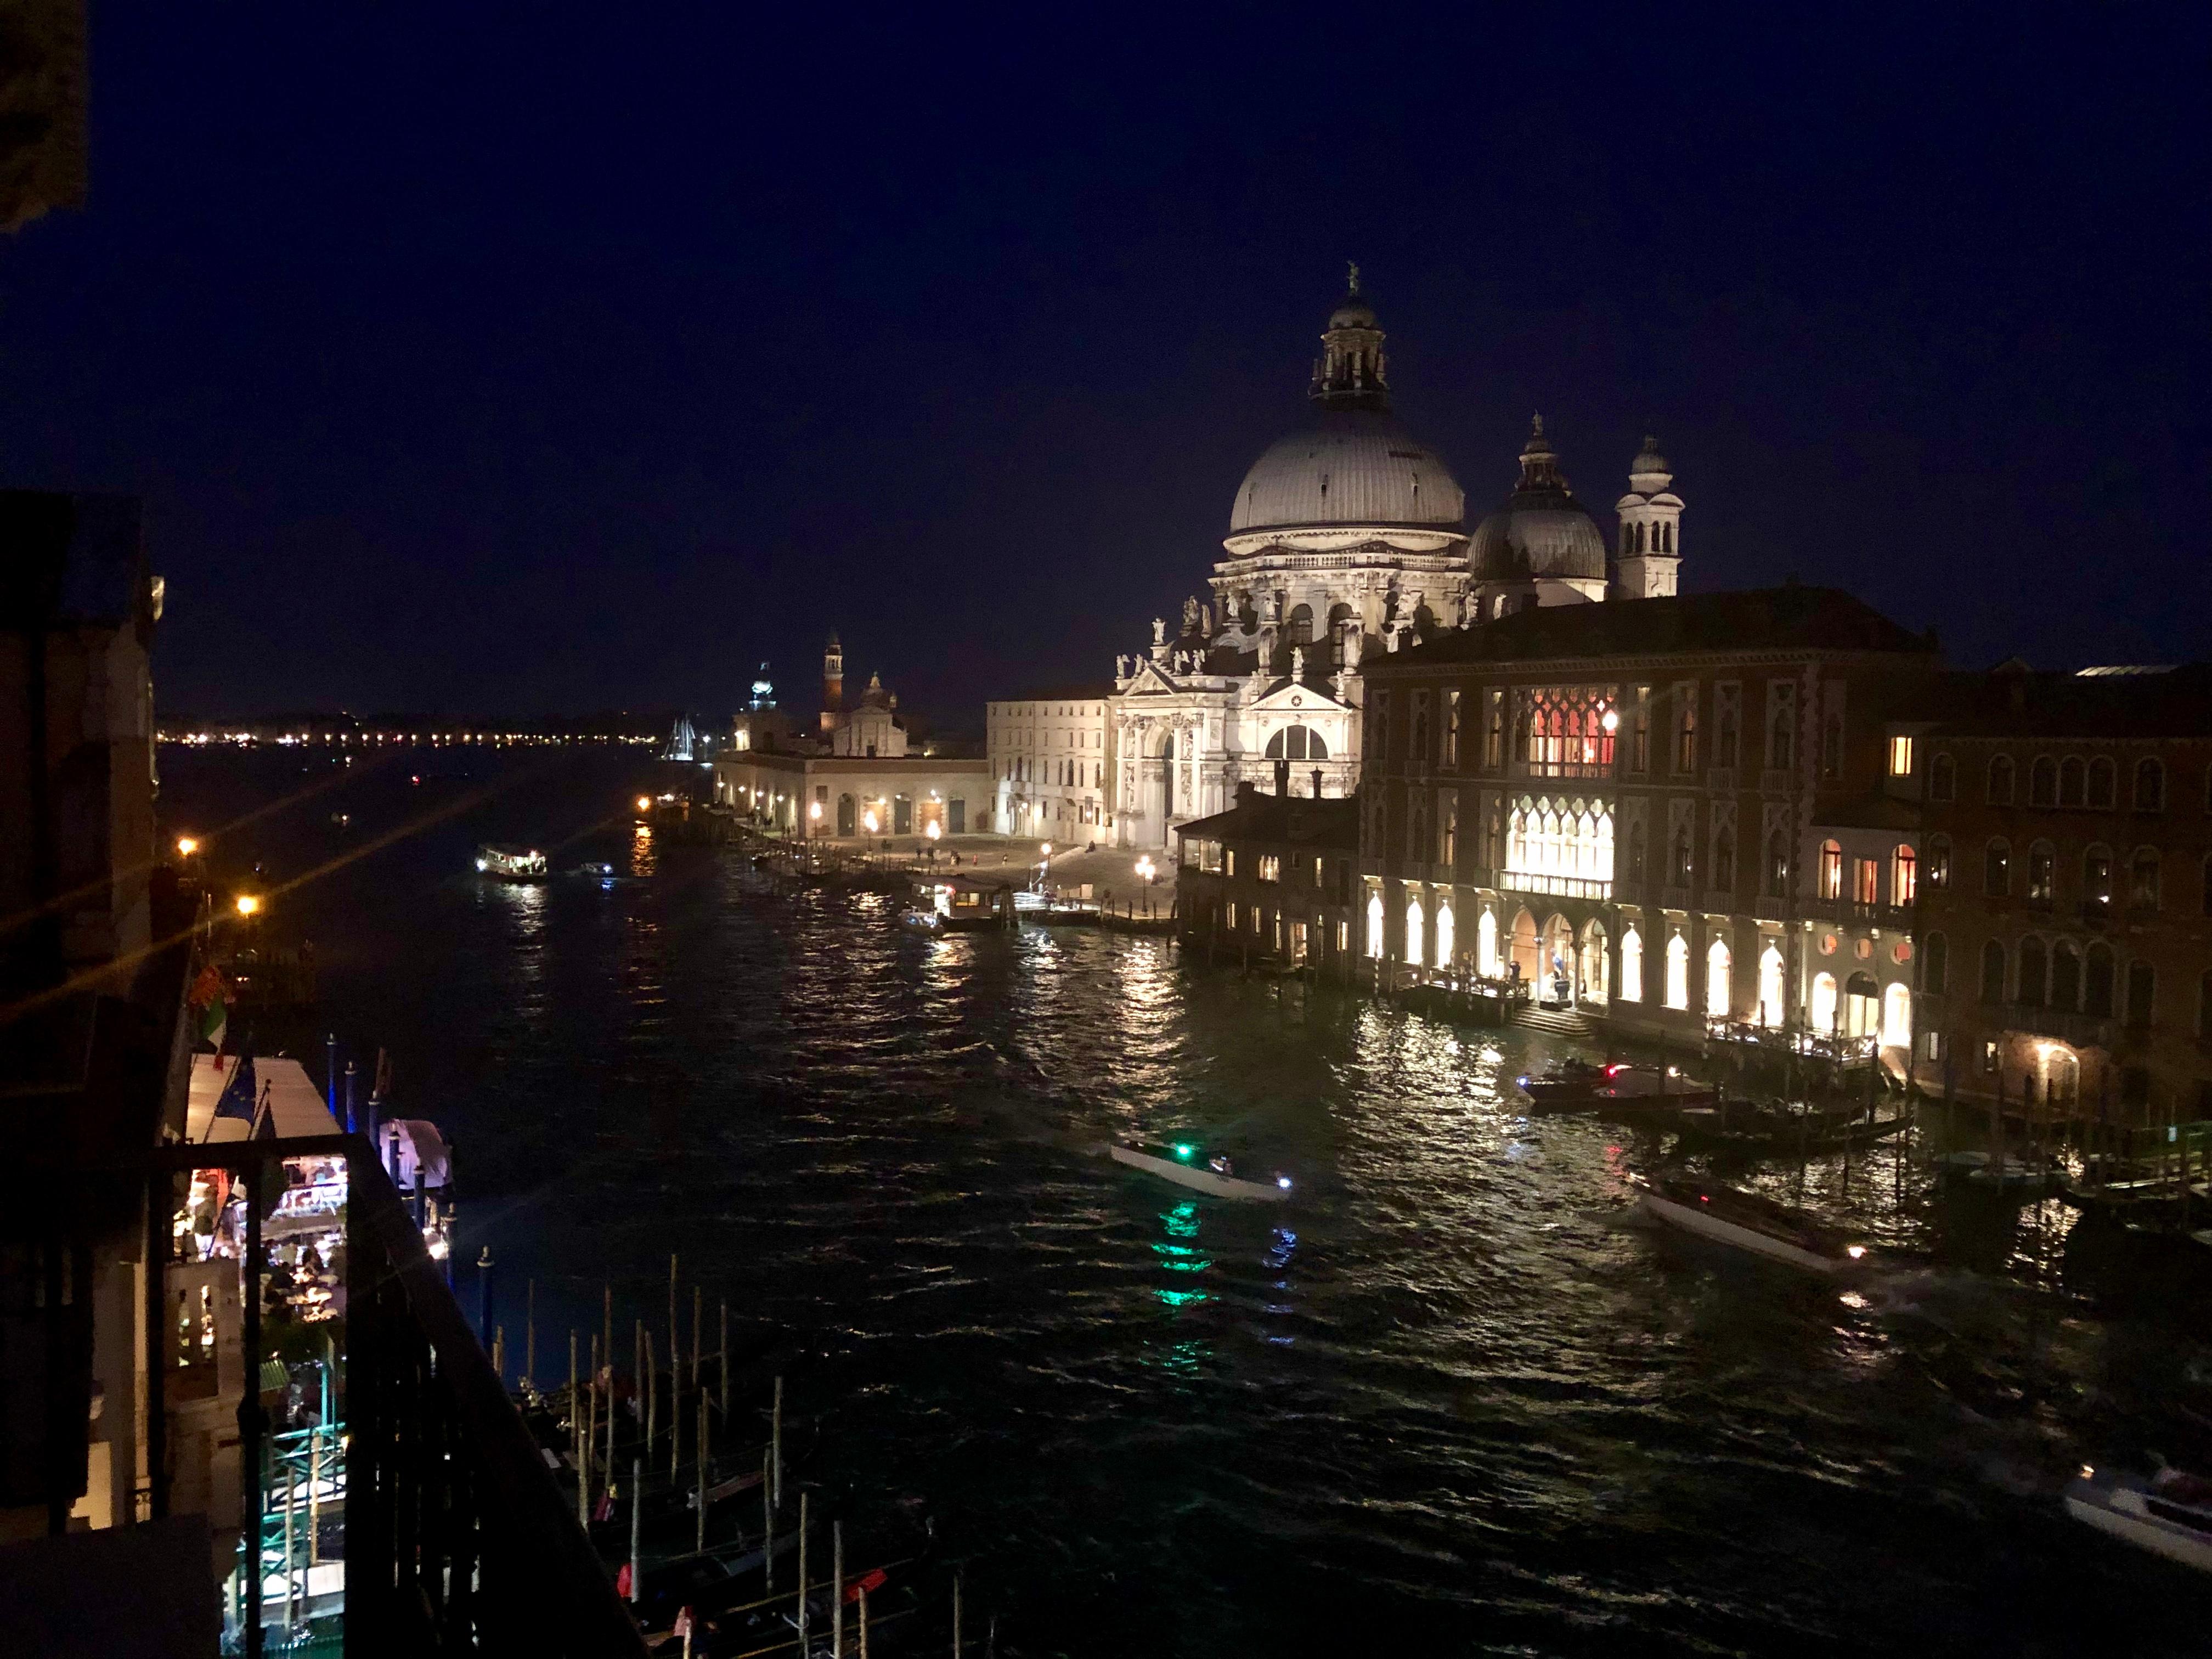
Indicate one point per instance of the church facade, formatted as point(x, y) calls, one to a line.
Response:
point(1348, 541)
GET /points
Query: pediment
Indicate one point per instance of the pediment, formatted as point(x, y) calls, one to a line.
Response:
point(1293, 698)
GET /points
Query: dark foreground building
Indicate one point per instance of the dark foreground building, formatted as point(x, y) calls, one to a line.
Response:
point(2065, 911)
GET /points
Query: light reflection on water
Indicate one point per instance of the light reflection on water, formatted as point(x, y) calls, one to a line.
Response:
point(1473, 1408)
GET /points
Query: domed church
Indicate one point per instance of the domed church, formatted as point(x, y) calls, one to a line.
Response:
point(1349, 535)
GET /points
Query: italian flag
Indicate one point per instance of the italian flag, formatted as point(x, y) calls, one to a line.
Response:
point(209, 1001)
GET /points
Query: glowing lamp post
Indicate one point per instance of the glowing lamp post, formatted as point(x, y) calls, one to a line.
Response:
point(1147, 874)
point(186, 846)
point(249, 905)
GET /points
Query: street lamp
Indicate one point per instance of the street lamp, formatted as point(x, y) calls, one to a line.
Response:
point(187, 845)
point(249, 904)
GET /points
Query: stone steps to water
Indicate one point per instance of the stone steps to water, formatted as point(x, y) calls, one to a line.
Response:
point(1558, 1022)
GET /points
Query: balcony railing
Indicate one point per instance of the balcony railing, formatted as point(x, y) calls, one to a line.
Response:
point(1530, 881)
point(456, 1538)
point(1851, 913)
point(2067, 1025)
point(1812, 1044)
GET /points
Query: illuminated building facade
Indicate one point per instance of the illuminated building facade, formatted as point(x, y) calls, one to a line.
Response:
point(1636, 805)
point(1347, 544)
point(1052, 759)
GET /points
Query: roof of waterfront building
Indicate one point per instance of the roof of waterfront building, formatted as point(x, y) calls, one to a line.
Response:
point(295, 1105)
point(2014, 700)
point(1081, 691)
point(1790, 618)
point(1295, 820)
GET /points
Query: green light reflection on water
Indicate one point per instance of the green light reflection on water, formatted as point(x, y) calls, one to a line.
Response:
point(1181, 1222)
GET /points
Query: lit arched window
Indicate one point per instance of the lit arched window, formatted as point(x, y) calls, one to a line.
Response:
point(2142, 879)
point(1826, 1007)
point(1831, 869)
point(1678, 972)
point(1485, 944)
point(1632, 966)
point(2000, 791)
point(2042, 864)
point(1904, 877)
point(1939, 862)
point(1374, 926)
point(1719, 993)
point(1935, 963)
point(2103, 777)
point(1997, 867)
point(2096, 878)
point(1414, 943)
point(1296, 743)
point(2042, 782)
point(1942, 778)
point(1778, 865)
point(2150, 788)
point(2070, 791)
point(1993, 971)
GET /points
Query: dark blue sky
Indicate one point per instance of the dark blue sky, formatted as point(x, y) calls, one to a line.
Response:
point(492, 359)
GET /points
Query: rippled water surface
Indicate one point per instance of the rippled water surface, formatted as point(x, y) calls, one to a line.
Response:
point(1475, 1411)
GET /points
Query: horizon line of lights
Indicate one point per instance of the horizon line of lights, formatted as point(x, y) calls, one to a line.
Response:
point(369, 740)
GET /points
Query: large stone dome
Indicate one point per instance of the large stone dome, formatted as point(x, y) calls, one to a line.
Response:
point(1352, 466)
point(1541, 530)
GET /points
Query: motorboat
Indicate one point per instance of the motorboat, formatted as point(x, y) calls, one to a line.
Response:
point(1180, 1162)
point(1748, 1221)
point(505, 863)
point(1574, 1086)
point(2169, 1515)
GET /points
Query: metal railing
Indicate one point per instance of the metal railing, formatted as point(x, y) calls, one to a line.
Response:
point(456, 1538)
point(1529, 881)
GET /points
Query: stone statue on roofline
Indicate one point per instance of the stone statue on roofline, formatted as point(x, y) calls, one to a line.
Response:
point(1298, 662)
point(1190, 616)
point(1159, 630)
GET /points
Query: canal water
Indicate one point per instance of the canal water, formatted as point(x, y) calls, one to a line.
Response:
point(1470, 1409)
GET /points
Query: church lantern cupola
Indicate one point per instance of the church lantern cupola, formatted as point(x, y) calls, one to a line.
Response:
point(1651, 523)
point(1353, 372)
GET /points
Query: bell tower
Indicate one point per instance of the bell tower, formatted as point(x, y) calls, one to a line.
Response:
point(1353, 372)
point(833, 685)
point(1650, 517)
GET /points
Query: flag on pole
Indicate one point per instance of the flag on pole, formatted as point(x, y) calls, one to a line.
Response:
point(209, 1001)
point(238, 1097)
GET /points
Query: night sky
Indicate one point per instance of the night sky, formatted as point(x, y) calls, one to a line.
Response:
point(485, 360)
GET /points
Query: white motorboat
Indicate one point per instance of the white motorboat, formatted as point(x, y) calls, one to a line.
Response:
point(1181, 1163)
point(1747, 1221)
point(2170, 1515)
point(510, 863)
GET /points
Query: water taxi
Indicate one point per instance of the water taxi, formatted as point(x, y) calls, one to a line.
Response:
point(2169, 1515)
point(1728, 1215)
point(503, 863)
point(1181, 1163)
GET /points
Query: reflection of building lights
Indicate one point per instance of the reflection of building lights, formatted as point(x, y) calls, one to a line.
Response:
point(186, 846)
point(248, 905)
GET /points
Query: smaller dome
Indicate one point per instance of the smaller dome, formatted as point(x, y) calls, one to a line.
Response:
point(1541, 530)
point(1352, 311)
point(1649, 460)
